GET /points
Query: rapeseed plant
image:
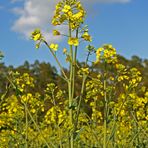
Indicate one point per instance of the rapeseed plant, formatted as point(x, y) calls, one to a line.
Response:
point(118, 116)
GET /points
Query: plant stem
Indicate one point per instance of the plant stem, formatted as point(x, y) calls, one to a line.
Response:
point(37, 127)
point(26, 137)
point(105, 111)
point(79, 104)
point(61, 68)
point(74, 65)
point(70, 90)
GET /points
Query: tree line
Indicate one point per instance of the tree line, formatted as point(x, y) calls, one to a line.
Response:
point(44, 73)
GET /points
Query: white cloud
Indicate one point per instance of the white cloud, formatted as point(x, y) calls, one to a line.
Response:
point(34, 14)
point(38, 14)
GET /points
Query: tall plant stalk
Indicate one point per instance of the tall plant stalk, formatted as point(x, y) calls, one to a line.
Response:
point(105, 109)
point(26, 116)
point(74, 63)
point(71, 91)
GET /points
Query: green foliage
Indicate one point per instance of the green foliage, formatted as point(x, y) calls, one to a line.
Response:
point(1, 55)
point(47, 115)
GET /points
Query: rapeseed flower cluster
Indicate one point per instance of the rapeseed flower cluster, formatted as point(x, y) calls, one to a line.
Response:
point(83, 71)
point(69, 11)
point(107, 54)
point(86, 37)
point(23, 81)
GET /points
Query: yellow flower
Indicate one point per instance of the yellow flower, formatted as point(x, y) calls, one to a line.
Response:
point(73, 41)
point(86, 36)
point(70, 14)
point(85, 70)
point(79, 6)
point(111, 78)
point(54, 46)
point(122, 112)
point(98, 52)
point(33, 110)
point(55, 32)
point(58, 6)
point(36, 35)
point(106, 53)
point(106, 46)
point(55, 22)
point(66, 8)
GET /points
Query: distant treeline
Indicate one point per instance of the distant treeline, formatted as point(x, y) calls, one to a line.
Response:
point(44, 73)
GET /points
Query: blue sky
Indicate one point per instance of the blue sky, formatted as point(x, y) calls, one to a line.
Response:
point(122, 23)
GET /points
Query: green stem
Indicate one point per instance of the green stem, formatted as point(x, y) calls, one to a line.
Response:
point(61, 68)
point(27, 111)
point(87, 58)
point(116, 117)
point(105, 111)
point(70, 89)
point(26, 137)
point(79, 104)
point(137, 128)
point(74, 65)
point(113, 130)
point(37, 127)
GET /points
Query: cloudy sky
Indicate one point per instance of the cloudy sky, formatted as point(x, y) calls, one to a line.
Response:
point(122, 23)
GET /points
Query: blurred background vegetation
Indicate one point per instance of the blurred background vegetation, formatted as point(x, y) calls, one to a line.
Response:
point(44, 73)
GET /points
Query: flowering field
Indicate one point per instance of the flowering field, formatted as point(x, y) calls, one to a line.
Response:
point(109, 109)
